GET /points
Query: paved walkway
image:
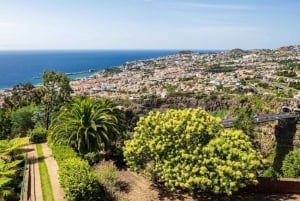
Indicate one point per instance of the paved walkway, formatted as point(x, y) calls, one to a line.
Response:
point(34, 187)
point(53, 173)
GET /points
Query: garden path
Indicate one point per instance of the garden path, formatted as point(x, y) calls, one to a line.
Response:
point(34, 188)
point(53, 173)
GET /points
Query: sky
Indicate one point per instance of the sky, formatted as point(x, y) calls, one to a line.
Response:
point(148, 24)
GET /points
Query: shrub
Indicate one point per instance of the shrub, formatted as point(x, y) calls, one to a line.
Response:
point(61, 153)
point(78, 181)
point(108, 178)
point(190, 150)
point(92, 158)
point(107, 175)
point(38, 135)
point(75, 175)
point(291, 164)
point(270, 173)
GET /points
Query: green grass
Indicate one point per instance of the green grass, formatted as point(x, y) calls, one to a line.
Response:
point(44, 175)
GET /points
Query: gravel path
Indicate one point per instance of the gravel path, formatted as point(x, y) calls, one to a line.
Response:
point(53, 173)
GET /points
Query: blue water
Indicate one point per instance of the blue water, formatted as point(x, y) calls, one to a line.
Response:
point(22, 66)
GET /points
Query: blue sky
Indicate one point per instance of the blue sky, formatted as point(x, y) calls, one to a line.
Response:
point(148, 24)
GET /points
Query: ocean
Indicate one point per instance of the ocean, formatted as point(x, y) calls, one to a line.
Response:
point(28, 66)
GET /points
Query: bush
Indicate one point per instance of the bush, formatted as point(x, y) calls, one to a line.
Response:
point(38, 135)
point(117, 155)
point(270, 173)
point(190, 150)
point(107, 175)
point(75, 176)
point(78, 181)
point(291, 164)
point(108, 178)
point(61, 153)
point(92, 158)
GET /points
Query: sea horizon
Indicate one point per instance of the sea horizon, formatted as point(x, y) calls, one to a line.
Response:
point(21, 66)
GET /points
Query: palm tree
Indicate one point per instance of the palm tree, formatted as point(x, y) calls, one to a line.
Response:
point(86, 124)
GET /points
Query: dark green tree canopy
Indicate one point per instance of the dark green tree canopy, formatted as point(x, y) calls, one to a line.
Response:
point(23, 94)
point(22, 120)
point(5, 124)
point(56, 91)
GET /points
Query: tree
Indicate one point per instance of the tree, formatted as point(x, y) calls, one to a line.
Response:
point(86, 124)
point(56, 91)
point(5, 124)
point(23, 94)
point(189, 149)
point(22, 119)
point(245, 121)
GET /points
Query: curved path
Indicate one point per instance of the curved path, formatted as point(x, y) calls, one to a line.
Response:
point(53, 173)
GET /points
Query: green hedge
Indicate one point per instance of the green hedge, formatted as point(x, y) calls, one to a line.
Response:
point(291, 164)
point(61, 153)
point(38, 135)
point(76, 176)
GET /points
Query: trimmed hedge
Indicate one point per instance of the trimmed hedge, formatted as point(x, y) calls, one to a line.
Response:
point(38, 135)
point(61, 153)
point(76, 176)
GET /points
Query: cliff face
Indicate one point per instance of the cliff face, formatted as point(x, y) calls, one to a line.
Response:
point(187, 102)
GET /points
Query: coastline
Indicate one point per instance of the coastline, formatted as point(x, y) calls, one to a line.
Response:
point(38, 81)
point(186, 73)
point(22, 66)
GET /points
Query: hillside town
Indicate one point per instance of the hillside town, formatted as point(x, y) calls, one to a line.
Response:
point(264, 71)
point(257, 71)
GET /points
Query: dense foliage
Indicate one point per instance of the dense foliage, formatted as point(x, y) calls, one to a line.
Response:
point(87, 124)
point(189, 149)
point(291, 164)
point(56, 91)
point(75, 175)
point(245, 121)
point(22, 119)
point(10, 161)
point(23, 94)
point(61, 153)
point(38, 135)
point(11, 148)
point(78, 181)
point(8, 170)
point(5, 125)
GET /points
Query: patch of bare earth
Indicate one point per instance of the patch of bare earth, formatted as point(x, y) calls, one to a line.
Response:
point(134, 187)
point(137, 188)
